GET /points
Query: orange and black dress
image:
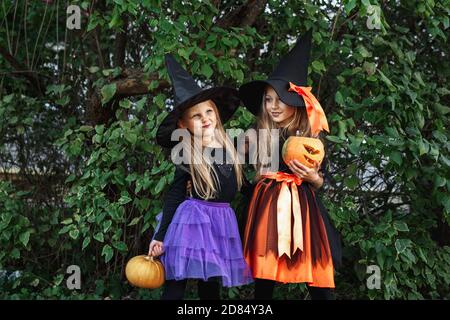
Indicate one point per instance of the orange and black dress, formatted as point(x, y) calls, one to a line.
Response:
point(288, 236)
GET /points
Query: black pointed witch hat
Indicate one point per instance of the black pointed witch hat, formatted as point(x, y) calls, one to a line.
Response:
point(188, 93)
point(293, 67)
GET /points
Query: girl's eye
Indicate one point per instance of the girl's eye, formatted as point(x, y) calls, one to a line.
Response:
point(196, 116)
point(268, 99)
point(210, 110)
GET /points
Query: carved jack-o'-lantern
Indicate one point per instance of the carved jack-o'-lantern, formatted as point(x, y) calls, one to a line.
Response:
point(308, 151)
point(145, 272)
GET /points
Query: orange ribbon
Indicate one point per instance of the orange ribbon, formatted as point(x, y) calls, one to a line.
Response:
point(288, 204)
point(316, 115)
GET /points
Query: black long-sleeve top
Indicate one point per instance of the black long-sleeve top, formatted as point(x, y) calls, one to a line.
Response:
point(176, 193)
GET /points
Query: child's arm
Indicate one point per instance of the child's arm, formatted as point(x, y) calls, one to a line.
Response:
point(323, 173)
point(307, 174)
point(174, 197)
point(317, 184)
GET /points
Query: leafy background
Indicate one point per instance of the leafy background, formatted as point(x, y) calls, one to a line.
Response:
point(81, 178)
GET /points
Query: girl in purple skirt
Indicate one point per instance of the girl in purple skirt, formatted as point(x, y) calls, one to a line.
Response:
point(198, 236)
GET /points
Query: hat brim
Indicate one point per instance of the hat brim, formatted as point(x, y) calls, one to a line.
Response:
point(251, 94)
point(226, 100)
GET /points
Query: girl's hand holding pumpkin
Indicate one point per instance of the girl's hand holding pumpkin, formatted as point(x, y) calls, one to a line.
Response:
point(310, 175)
point(156, 248)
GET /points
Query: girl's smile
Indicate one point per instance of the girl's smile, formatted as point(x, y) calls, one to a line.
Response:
point(201, 116)
point(279, 112)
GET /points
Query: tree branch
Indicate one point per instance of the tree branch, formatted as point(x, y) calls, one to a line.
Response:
point(24, 72)
point(243, 16)
point(132, 83)
point(121, 43)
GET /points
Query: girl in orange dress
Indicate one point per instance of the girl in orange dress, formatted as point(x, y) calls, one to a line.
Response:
point(288, 236)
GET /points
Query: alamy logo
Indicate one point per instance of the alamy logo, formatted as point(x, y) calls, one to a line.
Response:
point(374, 280)
point(190, 151)
point(74, 280)
point(73, 17)
point(374, 20)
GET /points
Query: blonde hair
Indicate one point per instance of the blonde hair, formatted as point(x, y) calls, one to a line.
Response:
point(204, 176)
point(299, 122)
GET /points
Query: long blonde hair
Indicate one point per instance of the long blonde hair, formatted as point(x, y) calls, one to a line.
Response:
point(204, 176)
point(299, 122)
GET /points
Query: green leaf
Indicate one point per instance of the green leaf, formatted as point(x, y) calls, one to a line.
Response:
point(153, 85)
point(24, 238)
point(349, 6)
point(339, 98)
point(239, 76)
point(124, 199)
point(147, 147)
point(63, 101)
point(93, 22)
point(86, 128)
point(386, 81)
point(107, 252)
point(121, 246)
point(144, 203)
point(86, 242)
point(99, 237)
point(115, 21)
point(7, 99)
point(351, 182)
point(106, 225)
point(380, 259)
point(363, 51)
point(401, 245)
point(70, 178)
point(422, 255)
point(369, 67)
point(15, 253)
point(423, 147)
point(67, 221)
point(439, 181)
point(160, 185)
point(65, 229)
point(401, 226)
point(74, 234)
point(134, 221)
point(318, 66)
point(207, 71)
point(100, 129)
point(419, 78)
point(58, 279)
point(396, 157)
point(108, 92)
point(141, 103)
point(183, 53)
point(445, 21)
point(94, 69)
point(125, 103)
point(334, 139)
point(131, 137)
point(354, 147)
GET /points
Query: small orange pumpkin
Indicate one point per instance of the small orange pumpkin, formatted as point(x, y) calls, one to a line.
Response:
point(145, 272)
point(308, 151)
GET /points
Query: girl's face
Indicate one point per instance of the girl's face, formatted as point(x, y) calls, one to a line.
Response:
point(200, 119)
point(279, 112)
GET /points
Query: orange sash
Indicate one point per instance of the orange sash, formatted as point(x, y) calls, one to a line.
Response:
point(288, 204)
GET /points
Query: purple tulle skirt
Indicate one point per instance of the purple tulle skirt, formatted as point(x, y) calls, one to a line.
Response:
point(203, 242)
